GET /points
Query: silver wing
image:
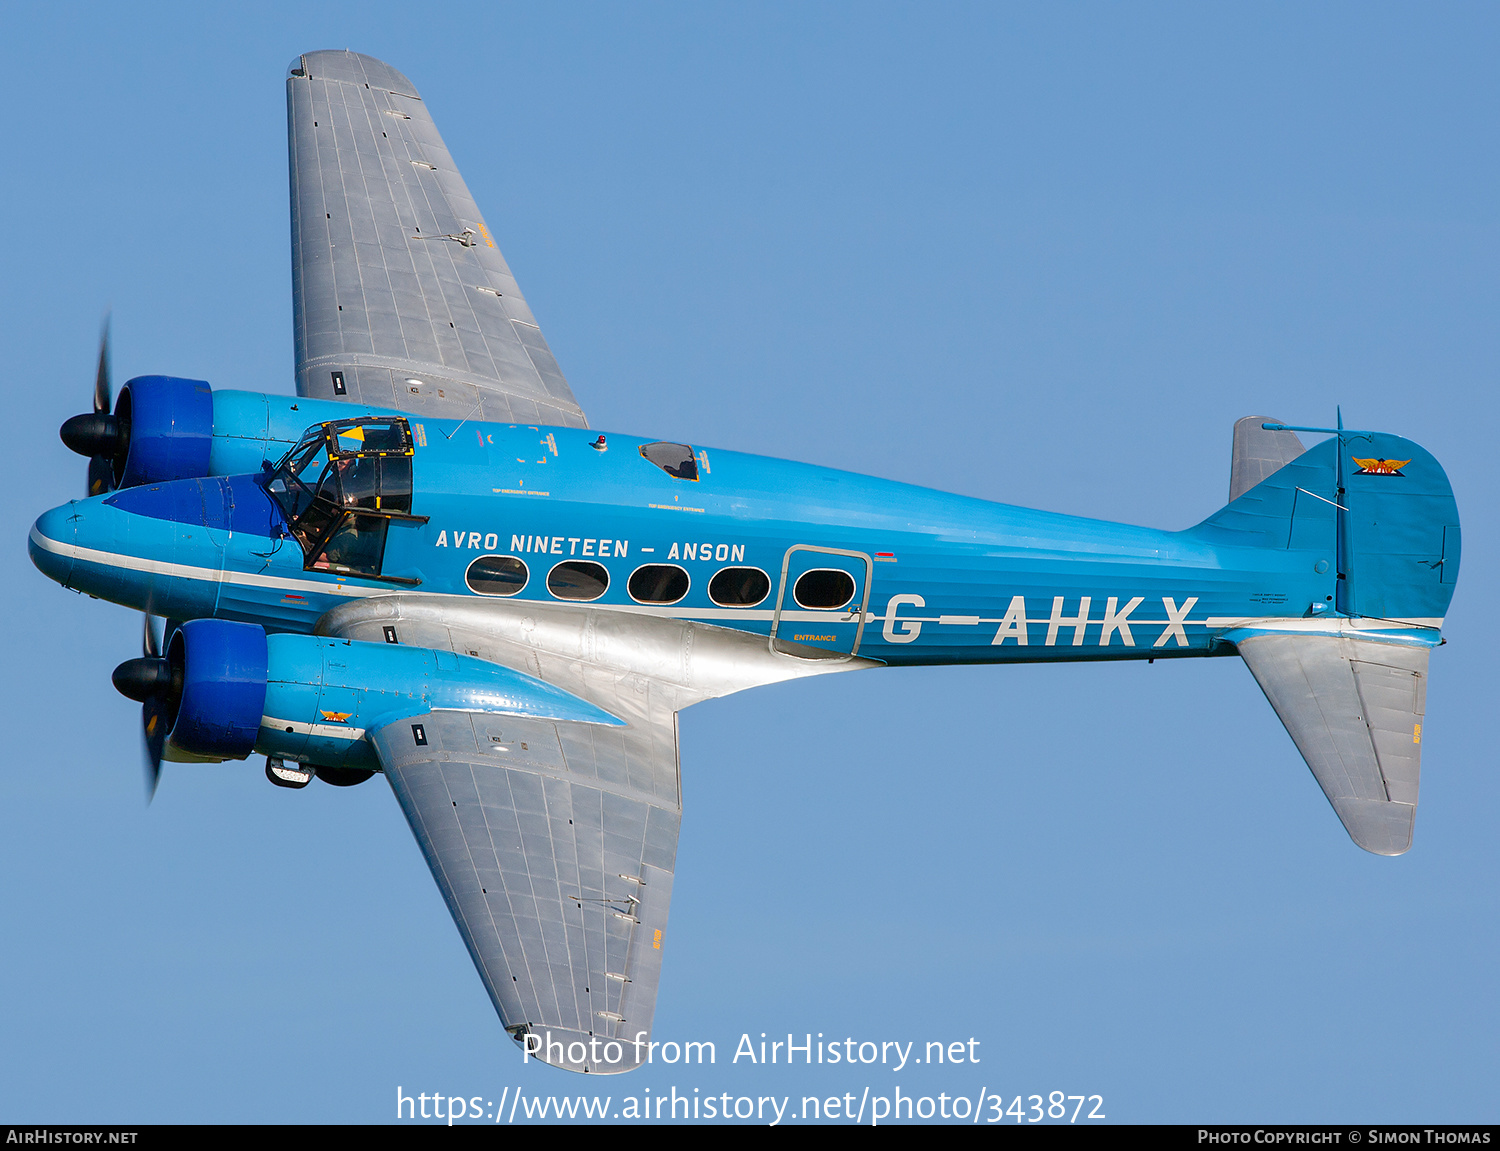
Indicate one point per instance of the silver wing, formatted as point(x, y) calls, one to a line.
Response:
point(554, 843)
point(400, 297)
point(557, 871)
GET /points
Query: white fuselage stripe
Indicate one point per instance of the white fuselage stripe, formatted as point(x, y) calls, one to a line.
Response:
point(288, 583)
point(187, 571)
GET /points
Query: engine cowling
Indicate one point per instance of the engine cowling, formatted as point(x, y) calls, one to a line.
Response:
point(162, 428)
point(224, 668)
point(224, 690)
point(170, 433)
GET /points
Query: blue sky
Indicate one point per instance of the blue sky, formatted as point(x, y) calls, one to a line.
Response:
point(1042, 255)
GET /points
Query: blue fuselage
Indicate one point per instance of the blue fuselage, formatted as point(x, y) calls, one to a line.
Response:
point(936, 578)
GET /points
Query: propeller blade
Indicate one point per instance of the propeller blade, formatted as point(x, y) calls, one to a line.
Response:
point(99, 434)
point(101, 475)
point(154, 742)
point(156, 684)
point(103, 392)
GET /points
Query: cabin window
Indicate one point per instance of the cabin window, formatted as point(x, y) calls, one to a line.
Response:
point(824, 589)
point(578, 580)
point(658, 583)
point(677, 460)
point(739, 587)
point(497, 575)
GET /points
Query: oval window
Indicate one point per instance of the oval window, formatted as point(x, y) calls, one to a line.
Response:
point(658, 583)
point(739, 587)
point(824, 588)
point(577, 579)
point(497, 575)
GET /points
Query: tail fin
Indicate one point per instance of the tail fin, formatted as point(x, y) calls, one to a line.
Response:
point(1348, 678)
point(1375, 508)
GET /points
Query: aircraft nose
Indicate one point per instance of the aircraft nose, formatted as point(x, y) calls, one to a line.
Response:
point(51, 543)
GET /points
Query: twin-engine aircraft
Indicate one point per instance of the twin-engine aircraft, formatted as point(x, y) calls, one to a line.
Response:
point(426, 565)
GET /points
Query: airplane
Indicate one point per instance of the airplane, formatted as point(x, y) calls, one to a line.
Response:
point(378, 575)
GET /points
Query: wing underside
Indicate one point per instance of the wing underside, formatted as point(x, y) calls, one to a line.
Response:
point(557, 871)
point(554, 842)
point(400, 297)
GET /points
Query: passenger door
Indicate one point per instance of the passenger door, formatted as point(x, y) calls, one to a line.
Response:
point(822, 602)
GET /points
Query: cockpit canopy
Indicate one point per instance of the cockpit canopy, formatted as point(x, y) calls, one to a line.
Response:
point(340, 487)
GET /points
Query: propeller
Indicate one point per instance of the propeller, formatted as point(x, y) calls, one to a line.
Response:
point(154, 682)
point(102, 436)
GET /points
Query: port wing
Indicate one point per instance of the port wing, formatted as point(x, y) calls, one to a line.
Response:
point(554, 852)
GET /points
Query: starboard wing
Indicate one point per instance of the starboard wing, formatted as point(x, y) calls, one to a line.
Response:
point(556, 865)
point(400, 297)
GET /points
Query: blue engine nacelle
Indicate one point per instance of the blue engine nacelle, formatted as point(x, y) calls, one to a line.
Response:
point(222, 669)
point(226, 689)
point(168, 428)
point(161, 429)
point(164, 428)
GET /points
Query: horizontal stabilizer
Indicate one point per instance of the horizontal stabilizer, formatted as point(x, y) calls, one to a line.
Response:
point(1258, 453)
point(1354, 709)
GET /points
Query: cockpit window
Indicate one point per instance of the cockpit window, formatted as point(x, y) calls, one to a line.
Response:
point(340, 487)
point(677, 460)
